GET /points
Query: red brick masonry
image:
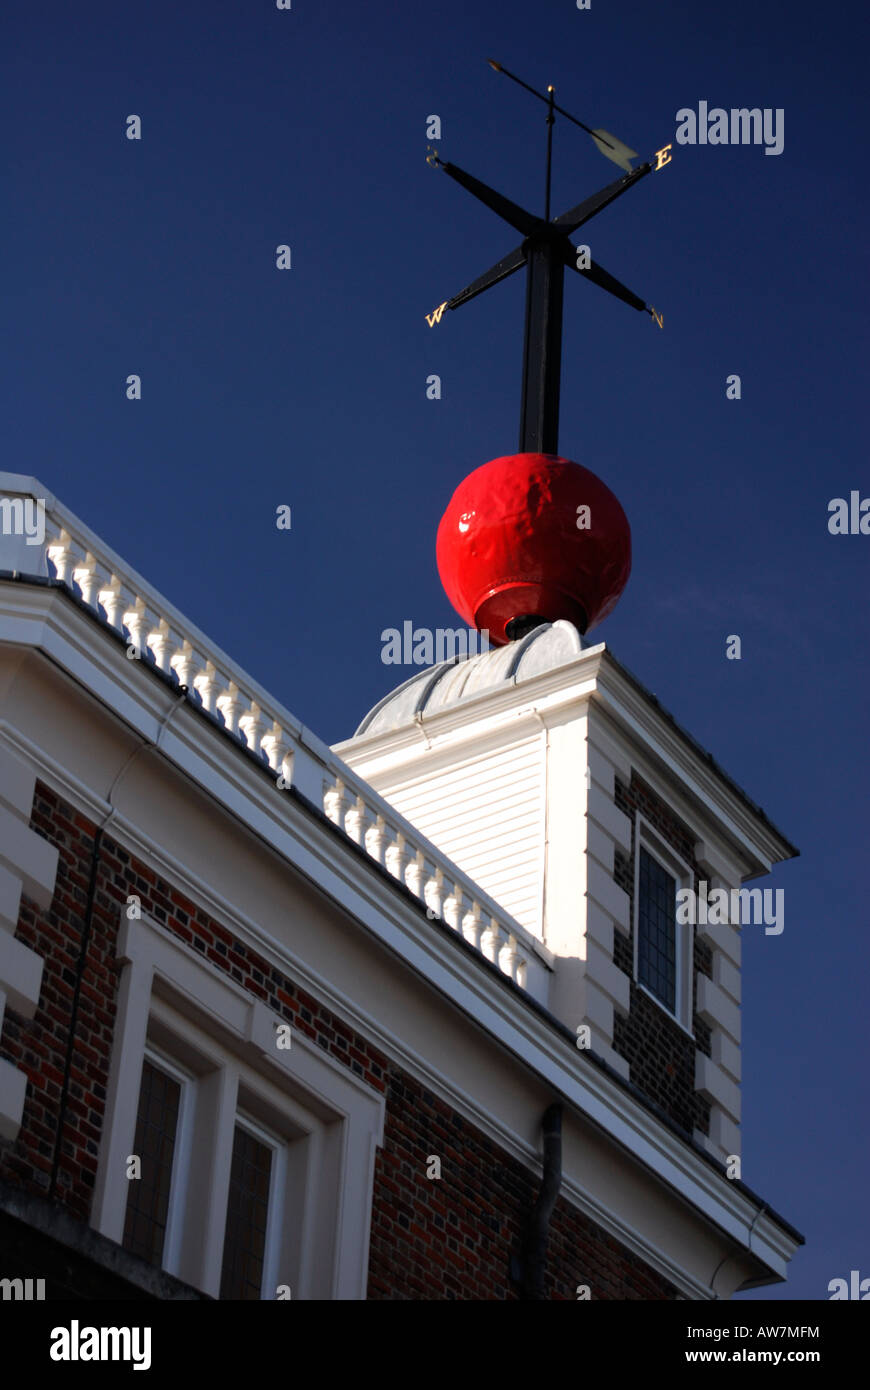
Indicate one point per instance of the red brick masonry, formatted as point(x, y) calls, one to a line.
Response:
point(430, 1238)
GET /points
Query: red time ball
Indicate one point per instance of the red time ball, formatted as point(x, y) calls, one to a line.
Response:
point(530, 538)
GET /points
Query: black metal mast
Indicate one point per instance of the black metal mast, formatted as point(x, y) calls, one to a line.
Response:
point(545, 251)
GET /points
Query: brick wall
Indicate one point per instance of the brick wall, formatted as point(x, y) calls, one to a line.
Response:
point(452, 1238)
point(659, 1052)
point(431, 1238)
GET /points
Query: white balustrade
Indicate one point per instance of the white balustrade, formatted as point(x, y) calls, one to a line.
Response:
point(80, 560)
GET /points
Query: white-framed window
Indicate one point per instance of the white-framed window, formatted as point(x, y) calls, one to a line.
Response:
point(255, 1209)
point(153, 1217)
point(157, 1201)
point(257, 1160)
point(663, 947)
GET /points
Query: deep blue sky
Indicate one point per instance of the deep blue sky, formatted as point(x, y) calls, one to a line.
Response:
point(307, 387)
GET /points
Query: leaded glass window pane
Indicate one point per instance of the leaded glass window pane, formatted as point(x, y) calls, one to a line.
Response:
point(247, 1212)
point(657, 931)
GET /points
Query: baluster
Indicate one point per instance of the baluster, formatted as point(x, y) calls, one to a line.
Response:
point(396, 856)
point(250, 725)
point(183, 663)
point(375, 839)
point(355, 820)
point(110, 599)
point(206, 686)
point(228, 705)
point(335, 803)
point(415, 875)
point(160, 643)
point(471, 925)
point(135, 621)
point(61, 555)
point(275, 746)
point(489, 942)
point(434, 892)
point(85, 575)
point(452, 906)
point(509, 957)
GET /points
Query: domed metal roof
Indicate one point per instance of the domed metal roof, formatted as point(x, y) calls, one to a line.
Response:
point(438, 687)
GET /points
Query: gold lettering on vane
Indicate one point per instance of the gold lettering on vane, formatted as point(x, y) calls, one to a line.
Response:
point(662, 156)
point(435, 316)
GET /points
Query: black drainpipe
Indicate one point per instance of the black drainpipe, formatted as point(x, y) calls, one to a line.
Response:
point(528, 1270)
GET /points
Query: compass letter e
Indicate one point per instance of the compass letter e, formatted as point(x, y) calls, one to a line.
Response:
point(662, 156)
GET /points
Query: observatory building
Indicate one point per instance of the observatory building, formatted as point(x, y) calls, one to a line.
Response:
point(410, 1018)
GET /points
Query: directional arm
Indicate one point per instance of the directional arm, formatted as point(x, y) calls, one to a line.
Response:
point(575, 217)
point(511, 212)
point(599, 276)
point(500, 271)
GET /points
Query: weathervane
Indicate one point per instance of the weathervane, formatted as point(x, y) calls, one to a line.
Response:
point(546, 250)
